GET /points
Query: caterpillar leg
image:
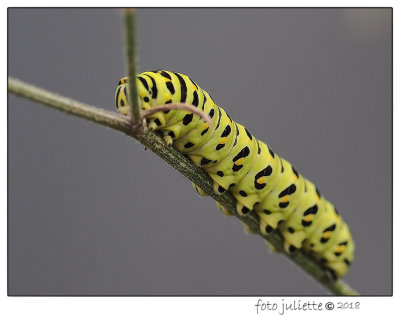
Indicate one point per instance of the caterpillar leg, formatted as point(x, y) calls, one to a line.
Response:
point(331, 274)
point(247, 228)
point(200, 191)
point(265, 228)
point(167, 137)
point(289, 248)
point(241, 209)
point(223, 209)
point(272, 248)
point(219, 190)
point(155, 121)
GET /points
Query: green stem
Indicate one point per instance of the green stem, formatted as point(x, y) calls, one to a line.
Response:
point(130, 38)
point(180, 163)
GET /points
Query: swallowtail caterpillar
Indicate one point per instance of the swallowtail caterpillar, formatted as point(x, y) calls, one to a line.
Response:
point(258, 178)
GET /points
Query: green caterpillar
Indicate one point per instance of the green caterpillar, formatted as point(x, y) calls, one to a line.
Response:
point(258, 178)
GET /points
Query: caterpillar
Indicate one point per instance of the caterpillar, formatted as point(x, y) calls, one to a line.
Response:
point(258, 178)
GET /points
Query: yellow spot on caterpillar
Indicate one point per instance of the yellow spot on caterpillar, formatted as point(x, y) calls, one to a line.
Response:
point(308, 217)
point(285, 198)
point(326, 234)
point(249, 140)
point(317, 196)
point(261, 180)
point(223, 140)
point(205, 126)
point(239, 162)
point(270, 158)
point(294, 177)
point(340, 249)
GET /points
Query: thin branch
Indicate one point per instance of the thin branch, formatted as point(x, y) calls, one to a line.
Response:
point(130, 39)
point(178, 106)
point(180, 163)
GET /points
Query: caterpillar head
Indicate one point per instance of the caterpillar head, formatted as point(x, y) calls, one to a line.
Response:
point(122, 99)
point(146, 100)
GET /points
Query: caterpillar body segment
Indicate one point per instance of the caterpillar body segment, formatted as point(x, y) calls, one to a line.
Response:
point(258, 178)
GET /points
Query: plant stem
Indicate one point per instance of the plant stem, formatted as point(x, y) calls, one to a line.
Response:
point(130, 38)
point(180, 163)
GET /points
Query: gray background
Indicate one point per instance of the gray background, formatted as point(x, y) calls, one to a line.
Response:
point(91, 212)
